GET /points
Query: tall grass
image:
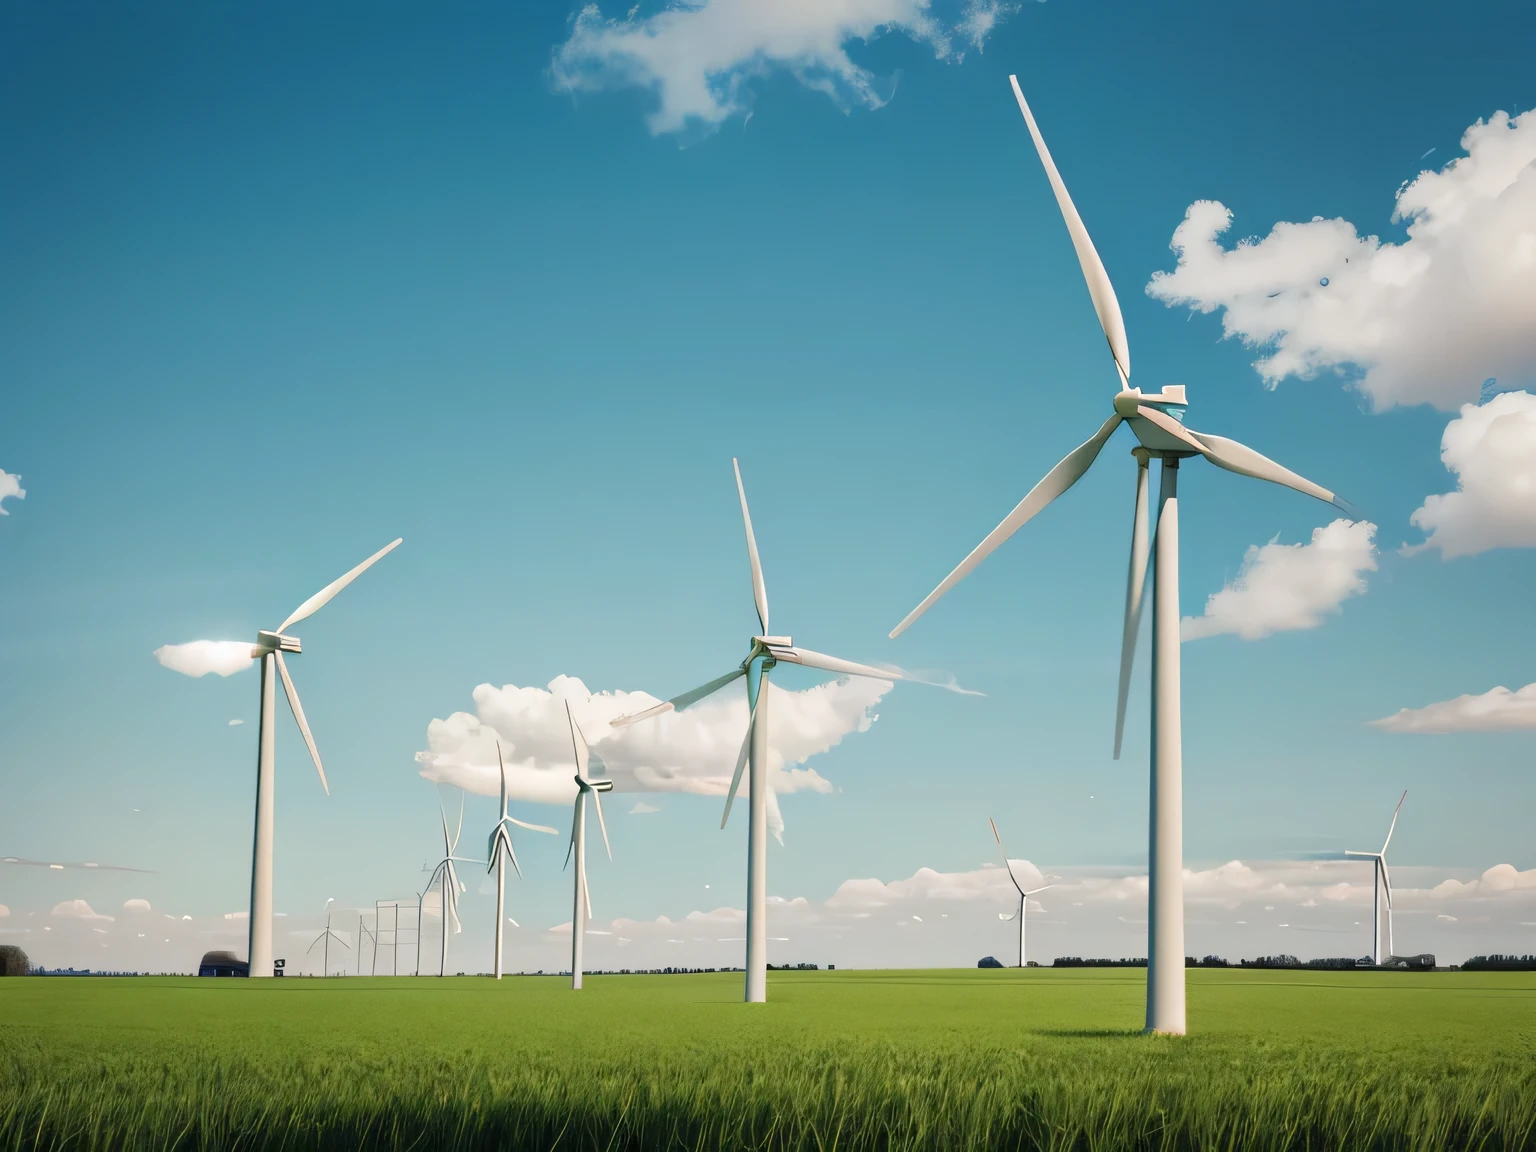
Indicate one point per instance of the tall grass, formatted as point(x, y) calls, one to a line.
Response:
point(836, 1063)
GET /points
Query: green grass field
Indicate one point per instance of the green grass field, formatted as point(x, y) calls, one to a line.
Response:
point(898, 1059)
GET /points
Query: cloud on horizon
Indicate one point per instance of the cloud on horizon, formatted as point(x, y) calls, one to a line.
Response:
point(698, 59)
point(1290, 587)
point(1497, 710)
point(77, 910)
point(1425, 321)
point(10, 486)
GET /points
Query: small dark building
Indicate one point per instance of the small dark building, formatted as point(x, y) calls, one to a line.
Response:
point(222, 964)
point(989, 962)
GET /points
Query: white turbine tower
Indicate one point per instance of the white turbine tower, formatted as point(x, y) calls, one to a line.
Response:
point(1023, 895)
point(581, 910)
point(1157, 421)
point(499, 851)
point(765, 651)
point(447, 876)
point(1380, 886)
point(269, 649)
point(327, 936)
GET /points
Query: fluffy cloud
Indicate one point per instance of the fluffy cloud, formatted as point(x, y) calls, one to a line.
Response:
point(1497, 710)
point(1492, 449)
point(136, 906)
point(641, 808)
point(1284, 587)
point(10, 486)
point(1424, 321)
point(77, 910)
point(698, 57)
point(1496, 881)
point(200, 657)
point(690, 751)
point(4, 911)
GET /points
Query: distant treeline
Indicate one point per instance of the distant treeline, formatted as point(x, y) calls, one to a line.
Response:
point(1334, 963)
point(1079, 962)
point(1500, 963)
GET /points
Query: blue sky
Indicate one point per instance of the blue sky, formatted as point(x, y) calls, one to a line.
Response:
point(281, 285)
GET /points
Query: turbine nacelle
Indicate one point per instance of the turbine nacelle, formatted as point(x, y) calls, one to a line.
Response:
point(274, 642)
point(593, 785)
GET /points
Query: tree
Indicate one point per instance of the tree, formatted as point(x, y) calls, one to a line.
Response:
point(13, 961)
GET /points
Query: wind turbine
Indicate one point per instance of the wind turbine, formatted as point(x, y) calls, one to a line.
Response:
point(327, 936)
point(269, 649)
point(581, 911)
point(499, 850)
point(1023, 895)
point(447, 876)
point(764, 652)
point(1157, 421)
point(1381, 884)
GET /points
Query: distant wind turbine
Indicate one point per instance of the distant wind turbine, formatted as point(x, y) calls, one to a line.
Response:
point(1380, 886)
point(763, 654)
point(499, 850)
point(1023, 895)
point(1157, 421)
point(327, 936)
point(447, 876)
point(581, 910)
point(269, 649)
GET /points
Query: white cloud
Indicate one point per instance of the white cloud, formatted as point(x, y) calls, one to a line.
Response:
point(136, 905)
point(10, 486)
point(200, 657)
point(77, 910)
point(690, 751)
point(1496, 881)
point(641, 808)
point(1497, 710)
point(4, 911)
point(698, 57)
point(1284, 587)
point(1492, 449)
point(236, 723)
point(1421, 322)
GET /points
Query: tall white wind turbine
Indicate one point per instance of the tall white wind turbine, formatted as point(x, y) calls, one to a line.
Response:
point(1023, 894)
point(764, 652)
point(269, 649)
point(1381, 886)
point(499, 851)
point(581, 910)
point(1157, 421)
point(327, 936)
point(447, 877)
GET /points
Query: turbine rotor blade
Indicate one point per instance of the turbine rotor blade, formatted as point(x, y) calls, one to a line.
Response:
point(1042, 888)
point(741, 760)
point(1243, 460)
point(678, 703)
point(298, 715)
point(1099, 287)
point(820, 660)
point(597, 800)
point(1386, 883)
point(1135, 586)
point(1006, 862)
point(534, 827)
point(322, 597)
point(759, 589)
point(586, 893)
point(1057, 481)
point(1393, 827)
point(578, 742)
point(502, 765)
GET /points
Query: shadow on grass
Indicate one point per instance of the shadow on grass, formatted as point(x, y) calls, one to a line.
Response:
point(1091, 1033)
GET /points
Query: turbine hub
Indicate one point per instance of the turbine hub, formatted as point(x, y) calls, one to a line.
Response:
point(773, 641)
point(275, 642)
point(1127, 401)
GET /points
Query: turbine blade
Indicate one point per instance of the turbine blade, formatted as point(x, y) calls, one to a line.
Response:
point(1006, 863)
point(1135, 586)
point(1393, 827)
point(586, 893)
point(1385, 882)
point(322, 597)
point(741, 760)
point(1239, 458)
point(502, 765)
point(597, 799)
point(1171, 426)
point(1099, 287)
point(534, 827)
point(571, 847)
point(692, 696)
point(1057, 481)
point(820, 660)
point(578, 742)
point(298, 715)
point(1042, 888)
point(759, 589)
point(459, 831)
